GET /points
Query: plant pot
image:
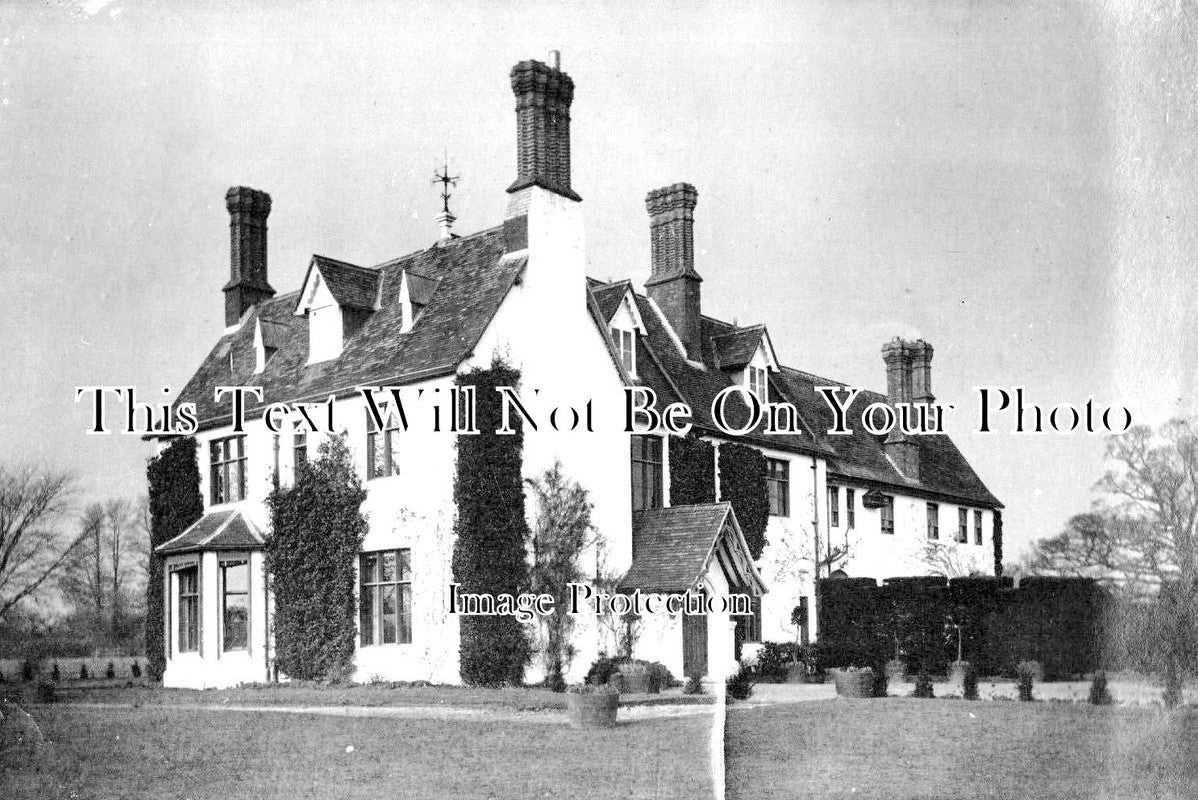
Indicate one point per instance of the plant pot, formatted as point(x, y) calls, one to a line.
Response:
point(597, 710)
point(796, 673)
point(854, 683)
point(896, 671)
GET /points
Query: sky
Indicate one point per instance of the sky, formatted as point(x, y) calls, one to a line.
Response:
point(1011, 181)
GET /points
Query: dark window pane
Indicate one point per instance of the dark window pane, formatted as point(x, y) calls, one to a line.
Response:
point(388, 602)
point(366, 612)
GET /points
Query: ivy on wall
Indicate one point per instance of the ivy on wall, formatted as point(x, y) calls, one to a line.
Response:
point(316, 532)
point(491, 532)
point(998, 542)
point(742, 483)
point(692, 470)
point(173, 478)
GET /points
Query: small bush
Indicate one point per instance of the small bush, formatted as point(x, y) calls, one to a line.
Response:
point(970, 685)
point(45, 692)
point(83, 672)
point(1172, 694)
point(27, 670)
point(923, 686)
point(693, 685)
point(110, 671)
point(135, 670)
point(740, 685)
point(881, 683)
point(1025, 687)
point(1099, 694)
point(55, 674)
point(555, 682)
point(602, 670)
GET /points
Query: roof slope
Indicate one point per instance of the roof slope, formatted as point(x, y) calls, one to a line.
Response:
point(464, 282)
point(228, 529)
point(351, 286)
point(673, 547)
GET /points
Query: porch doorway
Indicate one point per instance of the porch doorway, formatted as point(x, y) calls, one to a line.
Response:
point(694, 645)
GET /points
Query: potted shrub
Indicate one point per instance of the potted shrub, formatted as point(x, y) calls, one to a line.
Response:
point(592, 706)
point(854, 681)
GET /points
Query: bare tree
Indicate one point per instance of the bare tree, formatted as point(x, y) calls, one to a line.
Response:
point(1143, 530)
point(98, 579)
point(33, 502)
point(949, 561)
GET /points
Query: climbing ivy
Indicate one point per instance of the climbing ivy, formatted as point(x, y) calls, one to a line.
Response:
point(491, 532)
point(742, 483)
point(692, 470)
point(316, 532)
point(173, 477)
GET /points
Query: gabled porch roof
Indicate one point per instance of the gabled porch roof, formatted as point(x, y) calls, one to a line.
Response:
point(674, 547)
point(228, 529)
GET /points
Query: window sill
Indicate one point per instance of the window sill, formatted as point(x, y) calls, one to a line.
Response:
point(376, 646)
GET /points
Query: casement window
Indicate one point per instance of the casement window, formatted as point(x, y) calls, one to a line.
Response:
point(187, 610)
point(752, 622)
point(235, 605)
point(887, 512)
point(382, 447)
point(777, 484)
point(646, 473)
point(227, 473)
point(977, 527)
point(385, 597)
point(299, 446)
point(963, 525)
point(758, 383)
point(625, 344)
point(834, 506)
point(933, 521)
point(850, 508)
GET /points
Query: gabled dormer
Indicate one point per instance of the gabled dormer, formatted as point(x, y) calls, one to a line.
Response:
point(617, 304)
point(268, 337)
point(337, 299)
point(415, 292)
point(748, 355)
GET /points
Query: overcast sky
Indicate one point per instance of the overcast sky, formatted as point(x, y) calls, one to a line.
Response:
point(1015, 183)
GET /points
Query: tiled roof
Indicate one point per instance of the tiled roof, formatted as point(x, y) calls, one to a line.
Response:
point(462, 282)
point(735, 349)
point(351, 286)
point(671, 546)
point(608, 297)
point(217, 530)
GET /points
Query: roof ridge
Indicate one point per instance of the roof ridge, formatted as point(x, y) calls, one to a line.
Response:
point(340, 263)
point(451, 243)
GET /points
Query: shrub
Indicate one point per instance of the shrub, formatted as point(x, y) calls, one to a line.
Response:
point(83, 672)
point(55, 675)
point(970, 685)
point(1172, 694)
point(110, 671)
point(775, 658)
point(135, 670)
point(740, 685)
point(1099, 694)
point(555, 682)
point(693, 685)
point(316, 532)
point(601, 671)
point(881, 683)
point(491, 534)
point(27, 670)
point(174, 504)
point(1027, 675)
point(923, 686)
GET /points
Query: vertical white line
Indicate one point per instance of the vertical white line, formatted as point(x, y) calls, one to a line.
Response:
point(717, 741)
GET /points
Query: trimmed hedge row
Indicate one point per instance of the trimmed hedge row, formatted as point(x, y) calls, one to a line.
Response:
point(1056, 621)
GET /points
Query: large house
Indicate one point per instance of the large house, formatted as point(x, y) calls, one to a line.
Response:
point(519, 289)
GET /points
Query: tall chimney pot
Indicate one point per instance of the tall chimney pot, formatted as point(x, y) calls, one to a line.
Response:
point(543, 97)
point(248, 284)
point(673, 282)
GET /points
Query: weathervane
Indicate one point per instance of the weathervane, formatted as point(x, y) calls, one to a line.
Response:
point(445, 219)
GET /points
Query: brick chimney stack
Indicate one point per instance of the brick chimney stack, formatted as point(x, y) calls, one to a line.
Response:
point(908, 380)
point(543, 96)
point(673, 283)
point(247, 286)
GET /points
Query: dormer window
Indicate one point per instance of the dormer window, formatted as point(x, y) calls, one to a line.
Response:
point(757, 382)
point(625, 344)
point(338, 299)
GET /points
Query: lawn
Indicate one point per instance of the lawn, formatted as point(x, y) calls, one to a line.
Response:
point(905, 748)
point(153, 752)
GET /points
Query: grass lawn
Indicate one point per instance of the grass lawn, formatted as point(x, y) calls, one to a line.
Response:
point(512, 699)
point(163, 753)
point(905, 748)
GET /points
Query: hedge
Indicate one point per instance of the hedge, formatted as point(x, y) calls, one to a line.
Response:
point(175, 503)
point(491, 533)
point(1056, 621)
